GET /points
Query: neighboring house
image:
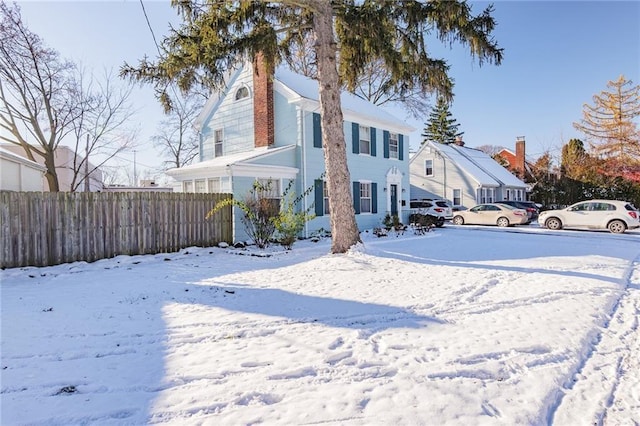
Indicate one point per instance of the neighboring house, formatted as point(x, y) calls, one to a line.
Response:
point(64, 160)
point(517, 162)
point(262, 128)
point(463, 176)
point(18, 173)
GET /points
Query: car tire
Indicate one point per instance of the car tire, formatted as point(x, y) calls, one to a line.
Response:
point(458, 220)
point(553, 223)
point(503, 222)
point(616, 227)
point(440, 222)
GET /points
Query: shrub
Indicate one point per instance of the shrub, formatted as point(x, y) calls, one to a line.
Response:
point(264, 217)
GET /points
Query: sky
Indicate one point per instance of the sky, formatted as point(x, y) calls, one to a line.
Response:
point(537, 327)
point(557, 55)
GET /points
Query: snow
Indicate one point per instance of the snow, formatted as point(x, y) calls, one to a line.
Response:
point(351, 104)
point(463, 325)
point(484, 169)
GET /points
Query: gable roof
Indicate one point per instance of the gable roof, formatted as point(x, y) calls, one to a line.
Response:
point(302, 90)
point(480, 166)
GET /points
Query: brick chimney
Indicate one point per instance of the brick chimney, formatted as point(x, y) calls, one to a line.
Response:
point(459, 141)
point(519, 166)
point(263, 111)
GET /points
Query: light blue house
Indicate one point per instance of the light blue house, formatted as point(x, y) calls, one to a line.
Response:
point(268, 128)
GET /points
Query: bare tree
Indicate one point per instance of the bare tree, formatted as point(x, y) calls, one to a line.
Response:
point(101, 130)
point(46, 100)
point(37, 92)
point(177, 137)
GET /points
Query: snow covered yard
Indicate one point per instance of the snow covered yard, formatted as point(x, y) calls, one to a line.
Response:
point(459, 326)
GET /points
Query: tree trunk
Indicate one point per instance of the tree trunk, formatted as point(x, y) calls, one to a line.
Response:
point(51, 174)
point(344, 229)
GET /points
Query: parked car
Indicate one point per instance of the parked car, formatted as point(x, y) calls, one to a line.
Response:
point(532, 209)
point(616, 216)
point(439, 208)
point(491, 214)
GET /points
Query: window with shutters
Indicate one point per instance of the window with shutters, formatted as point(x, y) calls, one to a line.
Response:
point(365, 140)
point(393, 145)
point(325, 198)
point(365, 197)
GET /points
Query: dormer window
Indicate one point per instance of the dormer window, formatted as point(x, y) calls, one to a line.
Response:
point(241, 93)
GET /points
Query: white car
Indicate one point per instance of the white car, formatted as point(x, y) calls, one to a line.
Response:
point(616, 216)
point(439, 208)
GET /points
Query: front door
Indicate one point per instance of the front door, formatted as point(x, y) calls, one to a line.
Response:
point(394, 199)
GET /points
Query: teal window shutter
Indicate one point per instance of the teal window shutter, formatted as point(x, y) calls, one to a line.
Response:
point(373, 141)
point(319, 196)
point(385, 149)
point(400, 147)
point(317, 131)
point(356, 197)
point(374, 197)
point(355, 137)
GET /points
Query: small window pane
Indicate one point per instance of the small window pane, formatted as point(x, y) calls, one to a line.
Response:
point(428, 167)
point(393, 145)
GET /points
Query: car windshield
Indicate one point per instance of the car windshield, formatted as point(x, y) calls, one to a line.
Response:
point(509, 206)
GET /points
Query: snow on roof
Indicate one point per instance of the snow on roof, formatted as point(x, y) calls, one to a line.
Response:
point(228, 160)
point(20, 159)
point(465, 164)
point(352, 105)
point(484, 169)
point(491, 166)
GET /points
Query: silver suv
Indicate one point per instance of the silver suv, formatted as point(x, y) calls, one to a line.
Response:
point(438, 208)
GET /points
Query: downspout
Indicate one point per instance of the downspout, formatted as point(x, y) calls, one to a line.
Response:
point(303, 165)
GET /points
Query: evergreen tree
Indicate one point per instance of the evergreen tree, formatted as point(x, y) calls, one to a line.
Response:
point(440, 127)
point(215, 35)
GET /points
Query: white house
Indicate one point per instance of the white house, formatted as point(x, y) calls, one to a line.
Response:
point(18, 173)
point(464, 176)
point(264, 127)
point(64, 159)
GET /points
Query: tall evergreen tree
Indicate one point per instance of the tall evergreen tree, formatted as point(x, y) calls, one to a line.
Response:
point(215, 35)
point(440, 127)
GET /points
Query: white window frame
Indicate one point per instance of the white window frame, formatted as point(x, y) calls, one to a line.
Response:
point(200, 186)
point(214, 185)
point(365, 197)
point(187, 186)
point(242, 93)
point(325, 198)
point(218, 143)
point(365, 140)
point(428, 166)
point(458, 197)
point(394, 146)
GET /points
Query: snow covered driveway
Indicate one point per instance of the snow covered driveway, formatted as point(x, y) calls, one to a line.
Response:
point(460, 326)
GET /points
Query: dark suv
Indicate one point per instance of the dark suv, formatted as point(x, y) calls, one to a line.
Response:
point(531, 207)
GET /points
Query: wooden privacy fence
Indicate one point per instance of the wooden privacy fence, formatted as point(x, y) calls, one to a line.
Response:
point(50, 228)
